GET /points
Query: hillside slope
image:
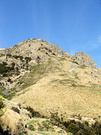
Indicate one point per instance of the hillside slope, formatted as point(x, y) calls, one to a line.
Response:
point(60, 88)
point(46, 78)
point(59, 84)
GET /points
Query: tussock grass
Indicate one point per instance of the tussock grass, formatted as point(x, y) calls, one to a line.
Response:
point(62, 59)
point(83, 66)
point(68, 93)
point(10, 119)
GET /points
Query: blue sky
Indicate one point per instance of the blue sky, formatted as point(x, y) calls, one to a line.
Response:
point(73, 25)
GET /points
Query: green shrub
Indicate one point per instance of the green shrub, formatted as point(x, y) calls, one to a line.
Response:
point(21, 58)
point(1, 102)
point(9, 55)
point(31, 127)
point(9, 80)
point(4, 69)
point(97, 128)
point(33, 112)
point(1, 106)
point(75, 62)
point(5, 74)
point(80, 132)
point(4, 63)
point(54, 116)
point(74, 85)
point(73, 128)
point(1, 112)
point(28, 59)
point(82, 66)
point(9, 96)
point(46, 126)
point(20, 129)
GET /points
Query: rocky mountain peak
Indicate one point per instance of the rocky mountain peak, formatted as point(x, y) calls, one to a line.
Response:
point(83, 59)
point(39, 49)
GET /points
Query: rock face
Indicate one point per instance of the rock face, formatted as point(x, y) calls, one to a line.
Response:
point(35, 48)
point(84, 59)
point(39, 49)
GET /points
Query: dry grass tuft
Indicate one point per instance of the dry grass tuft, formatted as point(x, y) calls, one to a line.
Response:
point(10, 119)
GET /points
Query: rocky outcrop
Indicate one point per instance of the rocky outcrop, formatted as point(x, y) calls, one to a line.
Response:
point(35, 48)
point(39, 49)
point(83, 59)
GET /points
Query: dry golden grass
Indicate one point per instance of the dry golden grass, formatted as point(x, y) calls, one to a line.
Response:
point(60, 90)
point(10, 119)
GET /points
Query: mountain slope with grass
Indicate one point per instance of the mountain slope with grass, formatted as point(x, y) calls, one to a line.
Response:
point(54, 85)
point(40, 77)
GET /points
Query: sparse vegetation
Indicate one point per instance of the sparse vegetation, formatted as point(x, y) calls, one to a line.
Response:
point(17, 56)
point(20, 129)
point(46, 126)
point(9, 80)
point(74, 85)
point(10, 95)
point(9, 55)
point(83, 66)
point(33, 112)
point(66, 81)
point(28, 59)
point(32, 122)
point(76, 76)
point(75, 62)
point(1, 106)
point(31, 127)
point(4, 69)
point(35, 75)
point(62, 59)
point(76, 128)
point(1, 102)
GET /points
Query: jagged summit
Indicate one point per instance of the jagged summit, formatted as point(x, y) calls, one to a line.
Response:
point(83, 59)
point(35, 48)
point(41, 49)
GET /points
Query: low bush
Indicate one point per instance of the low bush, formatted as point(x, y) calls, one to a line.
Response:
point(1, 106)
point(33, 112)
point(9, 80)
point(73, 128)
point(20, 129)
point(15, 109)
point(5, 69)
point(75, 62)
point(28, 59)
point(76, 128)
point(1, 102)
point(9, 55)
point(31, 127)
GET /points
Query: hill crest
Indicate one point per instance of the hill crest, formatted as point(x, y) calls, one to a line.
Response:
point(41, 49)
